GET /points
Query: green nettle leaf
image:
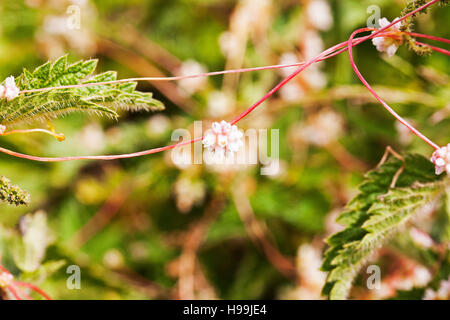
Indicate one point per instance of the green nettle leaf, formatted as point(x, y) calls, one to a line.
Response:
point(102, 100)
point(12, 194)
point(375, 214)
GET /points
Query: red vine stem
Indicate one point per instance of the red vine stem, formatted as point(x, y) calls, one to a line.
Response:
point(321, 57)
point(420, 35)
point(14, 293)
point(286, 80)
point(326, 54)
point(20, 292)
point(385, 105)
point(215, 73)
point(34, 288)
point(110, 157)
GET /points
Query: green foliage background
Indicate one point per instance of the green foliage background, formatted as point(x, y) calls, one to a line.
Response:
point(138, 250)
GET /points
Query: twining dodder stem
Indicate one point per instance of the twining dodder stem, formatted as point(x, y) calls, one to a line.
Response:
point(331, 52)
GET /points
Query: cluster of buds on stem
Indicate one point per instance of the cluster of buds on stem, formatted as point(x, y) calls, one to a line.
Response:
point(441, 159)
point(9, 89)
point(222, 138)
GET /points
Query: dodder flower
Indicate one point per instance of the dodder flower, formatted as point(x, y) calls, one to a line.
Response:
point(388, 44)
point(223, 137)
point(9, 90)
point(441, 159)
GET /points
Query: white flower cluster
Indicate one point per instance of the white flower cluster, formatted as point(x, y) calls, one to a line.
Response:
point(441, 159)
point(222, 138)
point(9, 90)
point(388, 44)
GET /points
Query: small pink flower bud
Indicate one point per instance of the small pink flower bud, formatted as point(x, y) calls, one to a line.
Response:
point(441, 159)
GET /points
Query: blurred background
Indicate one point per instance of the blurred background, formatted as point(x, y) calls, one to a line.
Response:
point(145, 228)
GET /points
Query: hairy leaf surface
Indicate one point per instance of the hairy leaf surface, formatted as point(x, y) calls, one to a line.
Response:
point(102, 100)
point(376, 213)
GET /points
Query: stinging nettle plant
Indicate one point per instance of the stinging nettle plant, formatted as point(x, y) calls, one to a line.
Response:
point(44, 105)
point(376, 214)
point(34, 105)
point(390, 197)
